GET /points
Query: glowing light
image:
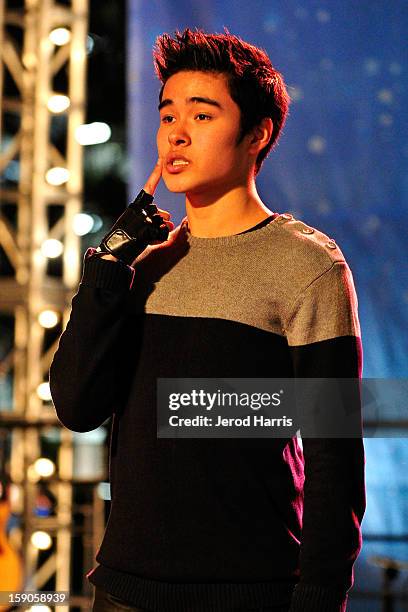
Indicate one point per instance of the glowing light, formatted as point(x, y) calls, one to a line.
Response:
point(386, 119)
point(323, 16)
point(44, 467)
point(60, 36)
point(29, 60)
point(90, 44)
point(371, 224)
point(103, 491)
point(57, 103)
point(97, 223)
point(83, 224)
point(57, 176)
point(371, 66)
point(43, 391)
point(270, 25)
point(41, 540)
point(93, 133)
point(48, 318)
point(39, 608)
point(316, 144)
point(385, 96)
point(296, 93)
point(52, 248)
point(15, 494)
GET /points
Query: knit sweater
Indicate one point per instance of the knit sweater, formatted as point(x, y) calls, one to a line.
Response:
point(218, 524)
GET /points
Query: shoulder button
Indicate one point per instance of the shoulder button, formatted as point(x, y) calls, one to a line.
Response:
point(307, 230)
point(287, 216)
point(331, 245)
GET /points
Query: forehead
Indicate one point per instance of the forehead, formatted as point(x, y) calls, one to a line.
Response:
point(189, 83)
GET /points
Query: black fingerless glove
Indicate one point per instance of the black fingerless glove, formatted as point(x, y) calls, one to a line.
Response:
point(137, 227)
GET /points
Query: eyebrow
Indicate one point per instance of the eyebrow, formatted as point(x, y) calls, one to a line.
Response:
point(168, 102)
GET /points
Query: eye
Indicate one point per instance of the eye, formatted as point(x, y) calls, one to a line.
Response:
point(167, 119)
point(203, 116)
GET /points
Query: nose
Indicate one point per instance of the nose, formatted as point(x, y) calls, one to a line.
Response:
point(179, 136)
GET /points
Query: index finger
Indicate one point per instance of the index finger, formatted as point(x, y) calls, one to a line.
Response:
point(154, 178)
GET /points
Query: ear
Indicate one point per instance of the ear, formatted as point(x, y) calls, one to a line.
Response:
point(261, 135)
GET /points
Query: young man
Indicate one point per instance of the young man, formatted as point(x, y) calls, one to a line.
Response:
point(236, 291)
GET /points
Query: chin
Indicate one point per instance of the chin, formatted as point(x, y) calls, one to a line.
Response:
point(174, 188)
point(174, 184)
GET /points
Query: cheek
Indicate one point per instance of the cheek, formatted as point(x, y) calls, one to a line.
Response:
point(227, 140)
point(216, 145)
point(160, 139)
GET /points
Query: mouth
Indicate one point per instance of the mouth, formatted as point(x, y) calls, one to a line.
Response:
point(177, 165)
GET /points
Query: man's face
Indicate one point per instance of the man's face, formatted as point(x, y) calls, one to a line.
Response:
point(198, 133)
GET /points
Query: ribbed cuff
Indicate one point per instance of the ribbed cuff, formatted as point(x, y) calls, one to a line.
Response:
point(105, 274)
point(314, 598)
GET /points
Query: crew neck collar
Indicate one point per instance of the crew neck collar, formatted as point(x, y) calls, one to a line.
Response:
point(233, 239)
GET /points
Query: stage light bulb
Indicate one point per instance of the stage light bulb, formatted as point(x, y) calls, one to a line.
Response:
point(90, 44)
point(44, 467)
point(43, 391)
point(60, 36)
point(41, 540)
point(57, 103)
point(57, 175)
point(48, 318)
point(52, 248)
point(103, 491)
point(93, 133)
point(82, 224)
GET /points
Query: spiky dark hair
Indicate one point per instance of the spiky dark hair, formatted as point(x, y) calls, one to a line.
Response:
point(255, 86)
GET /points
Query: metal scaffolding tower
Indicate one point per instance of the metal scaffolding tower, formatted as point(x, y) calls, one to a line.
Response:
point(37, 209)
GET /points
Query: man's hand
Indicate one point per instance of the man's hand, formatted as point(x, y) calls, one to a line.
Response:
point(149, 188)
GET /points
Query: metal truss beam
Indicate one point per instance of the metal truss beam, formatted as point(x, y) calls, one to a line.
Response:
point(32, 211)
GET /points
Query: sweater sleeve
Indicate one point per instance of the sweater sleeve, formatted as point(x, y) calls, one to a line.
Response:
point(323, 334)
point(87, 372)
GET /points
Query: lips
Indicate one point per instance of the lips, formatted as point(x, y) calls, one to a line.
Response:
point(176, 163)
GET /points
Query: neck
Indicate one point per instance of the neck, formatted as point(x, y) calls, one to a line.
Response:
point(225, 214)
